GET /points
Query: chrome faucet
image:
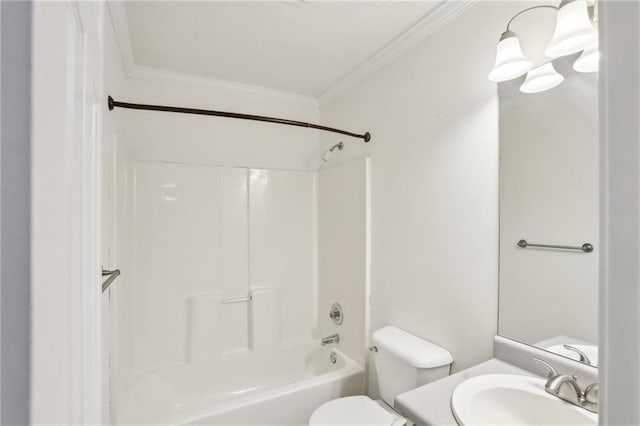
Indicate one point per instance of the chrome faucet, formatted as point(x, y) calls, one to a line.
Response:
point(334, 338)
point(566, 387)
point(583, 357)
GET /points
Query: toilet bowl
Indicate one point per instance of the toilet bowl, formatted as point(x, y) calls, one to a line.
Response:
point(403, 362)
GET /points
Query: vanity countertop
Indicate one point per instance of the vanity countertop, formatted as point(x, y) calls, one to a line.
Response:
point(430, 405)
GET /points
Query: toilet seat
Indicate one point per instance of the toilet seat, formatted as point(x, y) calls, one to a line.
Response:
point(353, 410)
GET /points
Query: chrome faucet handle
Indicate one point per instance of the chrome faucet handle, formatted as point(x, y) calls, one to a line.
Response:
point(565, 387)
point(591, 393)
point(583, 357)
point(551, 371)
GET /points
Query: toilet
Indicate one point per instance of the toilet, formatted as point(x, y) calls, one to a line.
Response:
point(403, 362)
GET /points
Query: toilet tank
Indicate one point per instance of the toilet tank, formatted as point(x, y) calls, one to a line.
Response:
point(404, 362)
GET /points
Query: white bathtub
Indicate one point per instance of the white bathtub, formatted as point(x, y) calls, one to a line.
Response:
point(281, 387)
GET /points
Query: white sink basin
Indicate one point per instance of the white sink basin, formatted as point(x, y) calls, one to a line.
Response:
point(506, 399)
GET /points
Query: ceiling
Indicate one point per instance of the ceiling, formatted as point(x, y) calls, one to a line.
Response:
point(303, 47)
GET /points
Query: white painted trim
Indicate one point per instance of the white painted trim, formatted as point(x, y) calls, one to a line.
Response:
point(433, 21)
point(65, 239)
point(619, 299)
point(132, 70)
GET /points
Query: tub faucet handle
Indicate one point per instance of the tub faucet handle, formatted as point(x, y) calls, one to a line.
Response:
point(336, 314)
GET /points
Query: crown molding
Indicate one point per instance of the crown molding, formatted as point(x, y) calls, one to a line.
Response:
point(433, 21)
point(134, 71)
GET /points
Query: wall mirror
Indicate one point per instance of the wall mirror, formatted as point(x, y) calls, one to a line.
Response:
point(549, 196)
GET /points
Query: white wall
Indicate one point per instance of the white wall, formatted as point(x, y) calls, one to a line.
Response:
point(433, 117)
point(549, 195)
point(343, 254)
point(158, 136)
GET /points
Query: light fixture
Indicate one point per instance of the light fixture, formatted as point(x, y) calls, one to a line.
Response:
point(541, 78)
point(589, 60)
point(574, 30)
point(510, 61)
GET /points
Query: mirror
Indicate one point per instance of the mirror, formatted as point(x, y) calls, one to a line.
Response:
point(549, 196)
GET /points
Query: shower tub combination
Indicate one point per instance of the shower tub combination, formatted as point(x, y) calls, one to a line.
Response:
point(281, 387)
point(214, 319)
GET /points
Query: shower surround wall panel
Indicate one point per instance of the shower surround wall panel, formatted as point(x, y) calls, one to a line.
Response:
point(220, 266)
point(283, 249)
point(183, 215)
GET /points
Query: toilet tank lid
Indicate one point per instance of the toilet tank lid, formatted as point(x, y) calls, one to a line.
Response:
point(411, 349)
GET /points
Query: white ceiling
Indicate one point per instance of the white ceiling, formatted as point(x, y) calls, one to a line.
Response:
point(299, 47)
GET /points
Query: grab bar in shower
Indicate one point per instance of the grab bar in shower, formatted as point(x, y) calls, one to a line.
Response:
point(586, 247)
point(112, 276)
point(236, 300)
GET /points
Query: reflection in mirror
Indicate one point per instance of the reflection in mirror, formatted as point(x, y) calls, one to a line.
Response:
point(549, 196)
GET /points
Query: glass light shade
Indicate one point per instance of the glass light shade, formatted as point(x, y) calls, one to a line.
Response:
point(541, 78)
point(574, 30)
point(589, 60)
point(510, 61)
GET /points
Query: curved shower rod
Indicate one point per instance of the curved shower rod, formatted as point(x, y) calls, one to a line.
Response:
point(117, 104)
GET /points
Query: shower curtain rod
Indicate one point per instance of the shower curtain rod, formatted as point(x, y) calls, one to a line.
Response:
point(117, 104)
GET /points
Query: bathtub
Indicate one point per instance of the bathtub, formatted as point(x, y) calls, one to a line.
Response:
point(281, 387)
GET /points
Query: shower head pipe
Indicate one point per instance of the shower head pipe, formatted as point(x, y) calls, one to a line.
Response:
point(339, 146)
point(111, 103)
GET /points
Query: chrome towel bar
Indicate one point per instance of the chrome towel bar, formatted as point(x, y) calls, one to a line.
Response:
point(112, 276)
point(235, 300)
point(586, 247)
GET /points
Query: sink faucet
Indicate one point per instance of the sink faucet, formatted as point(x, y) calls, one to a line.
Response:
point(583, 357)
point(334, 338)
point(566, 387)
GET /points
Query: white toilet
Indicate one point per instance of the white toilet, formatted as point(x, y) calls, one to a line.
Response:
point(403, 362)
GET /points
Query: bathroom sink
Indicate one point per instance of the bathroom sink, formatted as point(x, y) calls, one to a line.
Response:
point(506, 399)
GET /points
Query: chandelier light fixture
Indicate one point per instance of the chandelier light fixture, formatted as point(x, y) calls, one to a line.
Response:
point(575, 31)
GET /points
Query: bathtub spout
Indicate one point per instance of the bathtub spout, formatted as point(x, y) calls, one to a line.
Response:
point(334, 338)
